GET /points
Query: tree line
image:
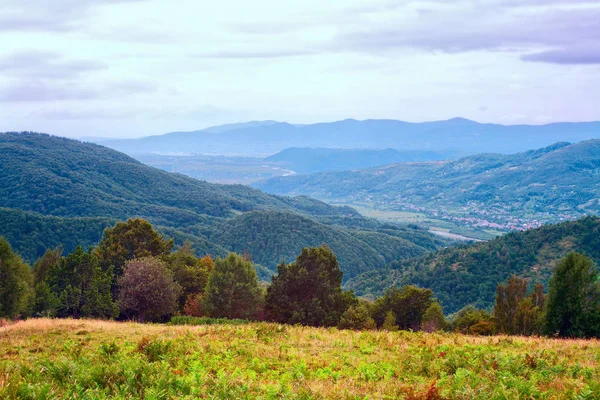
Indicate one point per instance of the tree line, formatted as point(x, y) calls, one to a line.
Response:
point(134, 273)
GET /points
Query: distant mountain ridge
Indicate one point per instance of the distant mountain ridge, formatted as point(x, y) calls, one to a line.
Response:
point(304, 160)
point(269, 137)
point(52, 184)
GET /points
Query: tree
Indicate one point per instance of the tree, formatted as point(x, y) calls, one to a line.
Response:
point(308, 291)
point(190, 272)
point(357, 317)
point(433, 318)
point(77, 287)
point(147, 290)
point(232, 290)
point(573, 305)
point(408, 305)
point(42, 265)
point(508, 298)
point(125, 241)
point(389, 322)
point(471, 320)
point(15, 283)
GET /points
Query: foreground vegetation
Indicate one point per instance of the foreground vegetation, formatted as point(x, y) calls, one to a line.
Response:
point(46, 358)
point(134, 274)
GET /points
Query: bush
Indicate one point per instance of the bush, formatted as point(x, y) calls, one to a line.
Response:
point(408, 305)
point(433, 319)
point(468, 317)
point(483, 328)
point(357, 317)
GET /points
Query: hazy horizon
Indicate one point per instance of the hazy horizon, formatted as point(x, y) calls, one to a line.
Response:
point(131, 68)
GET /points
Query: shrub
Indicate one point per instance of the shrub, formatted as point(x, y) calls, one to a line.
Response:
point(357, 317)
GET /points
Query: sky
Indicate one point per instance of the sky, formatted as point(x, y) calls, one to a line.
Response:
point(130, 68)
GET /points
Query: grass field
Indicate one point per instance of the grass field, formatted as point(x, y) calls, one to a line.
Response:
point(50, 359)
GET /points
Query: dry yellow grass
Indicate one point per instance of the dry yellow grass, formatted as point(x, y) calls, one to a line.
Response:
point(45, 358)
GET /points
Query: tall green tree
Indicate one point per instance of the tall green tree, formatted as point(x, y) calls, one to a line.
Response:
point(232, 290)
point(81, 287)
point(148, 291)
point(408, 304)
point(573, 304)
point(433, 318)
point(134, 238)
point(16, 280)
point(190, 272)
point(508, 298)
point(308, 291)
point(42, 265)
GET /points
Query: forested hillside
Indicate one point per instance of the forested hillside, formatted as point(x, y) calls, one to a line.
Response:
point(560, 179)
point(469, 274)
point(31, 234)
point(268, 237)
point(91, 185)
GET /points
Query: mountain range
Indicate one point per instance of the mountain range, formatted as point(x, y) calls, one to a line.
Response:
point(264, 138)
point(561, 180)
point(52, 184)
point(303, 160)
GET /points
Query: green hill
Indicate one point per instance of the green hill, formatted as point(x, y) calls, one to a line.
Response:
point(468, 274)
point(89, 186)
point(267, 235)
point(563, 179)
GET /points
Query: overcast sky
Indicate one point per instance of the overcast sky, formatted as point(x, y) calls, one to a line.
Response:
point(117, 68)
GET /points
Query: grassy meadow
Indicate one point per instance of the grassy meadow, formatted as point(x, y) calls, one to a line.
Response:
point(52, 359)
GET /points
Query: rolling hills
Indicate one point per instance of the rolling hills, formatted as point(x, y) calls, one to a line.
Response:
point(558, 181)
point(62, 184)
point(269, 137)
point(468, 274)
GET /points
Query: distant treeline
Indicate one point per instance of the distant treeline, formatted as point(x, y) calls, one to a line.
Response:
point(134, 273)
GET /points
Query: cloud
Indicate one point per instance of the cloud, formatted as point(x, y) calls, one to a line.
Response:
point(45, 64)
point(545, 31)
point(570, 55)
point(49, 91)
point(44, 15)
point(40, 91)
point(258, 54)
